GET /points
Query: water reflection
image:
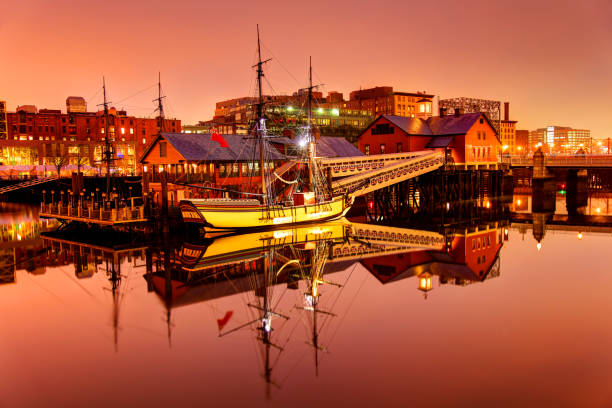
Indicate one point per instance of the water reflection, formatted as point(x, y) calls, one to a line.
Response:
point(286, 278)
point(286, 293)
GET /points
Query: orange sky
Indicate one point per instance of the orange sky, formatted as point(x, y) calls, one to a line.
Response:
point(550, 59)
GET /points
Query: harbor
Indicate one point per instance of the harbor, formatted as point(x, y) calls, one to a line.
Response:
point(305, 205)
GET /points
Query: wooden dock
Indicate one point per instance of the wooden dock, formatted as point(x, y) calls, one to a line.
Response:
point(89, 213)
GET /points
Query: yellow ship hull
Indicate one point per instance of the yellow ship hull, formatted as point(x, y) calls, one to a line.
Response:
point(239, 214)
point(243, 247)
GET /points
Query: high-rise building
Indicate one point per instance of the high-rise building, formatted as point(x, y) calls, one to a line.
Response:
point(560, 140)
point(474, 105)
point(382, 100)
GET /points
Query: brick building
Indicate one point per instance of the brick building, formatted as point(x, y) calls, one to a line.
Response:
point(40, 137)
point(467, 139)
point(333, 115)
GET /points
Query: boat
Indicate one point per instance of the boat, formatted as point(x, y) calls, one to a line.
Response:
point(306, 200)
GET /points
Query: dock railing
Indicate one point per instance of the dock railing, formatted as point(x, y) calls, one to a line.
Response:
point(97, 208)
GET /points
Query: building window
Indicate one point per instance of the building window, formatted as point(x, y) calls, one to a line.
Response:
point(366, 149)
point(399, 148)
point(123, 130)
point(383, 129)
point(163, 149)
point(382, 148)
point(481, 121)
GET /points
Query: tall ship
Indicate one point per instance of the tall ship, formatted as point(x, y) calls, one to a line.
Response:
point(305, 199)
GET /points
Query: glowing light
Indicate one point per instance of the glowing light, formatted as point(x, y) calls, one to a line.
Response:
point(160, 169)
point(447, 206)
point(281, 234)
point(289, 108)
point(539, 246)
point(335, 112)
point(518, 202)
point(520, 148)
point(318, 231)
point(318, 215)
point(425, 282)
point(282, 220)
point(505, 147)
point(303, 142)
point(144, 168)
point(580, 235)
point(320, 110)
point(506, 231)
point(598, 210)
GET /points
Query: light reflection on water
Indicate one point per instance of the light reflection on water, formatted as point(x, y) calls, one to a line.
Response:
point(320, 315)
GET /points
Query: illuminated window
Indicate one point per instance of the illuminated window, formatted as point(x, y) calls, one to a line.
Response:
point(123, 131)
point(366, 149)
point(144, 141)
point(102, 130)
point(382, 148)
point(131, 131)
point(422, 107)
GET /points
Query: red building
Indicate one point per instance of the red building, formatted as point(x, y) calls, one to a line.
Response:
point(469, 139)
point(39, 137)
point(469, 258)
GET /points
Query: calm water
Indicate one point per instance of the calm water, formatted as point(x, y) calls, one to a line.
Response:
point(503, 324)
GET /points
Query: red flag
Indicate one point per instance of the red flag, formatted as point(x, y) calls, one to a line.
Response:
point(222, 322)
point(218, 138)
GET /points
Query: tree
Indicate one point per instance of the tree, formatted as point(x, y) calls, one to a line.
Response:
point(59, 162)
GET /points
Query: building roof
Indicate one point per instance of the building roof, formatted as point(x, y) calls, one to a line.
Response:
point(327, 146)
point(440, 141)
point(453, 124)
point(412, 126)
point(333, 146)
point(437, 125)
point(201, 147)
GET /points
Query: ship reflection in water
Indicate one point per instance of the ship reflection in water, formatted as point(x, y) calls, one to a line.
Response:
point(298, 314)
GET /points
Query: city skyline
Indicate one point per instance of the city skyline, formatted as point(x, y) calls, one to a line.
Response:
point(548, 74)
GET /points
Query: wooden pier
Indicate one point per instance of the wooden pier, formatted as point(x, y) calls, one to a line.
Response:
point(106, 211)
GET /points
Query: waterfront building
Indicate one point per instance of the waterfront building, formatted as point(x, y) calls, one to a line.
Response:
point(224, 160)
point(474, 105)
point(49, 137)
point(467, 139)
point(560, 140)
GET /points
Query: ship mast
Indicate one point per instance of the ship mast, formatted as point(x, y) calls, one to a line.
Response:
point(311, 146)
point(107, 145)
point(260, 119)
point(160, 106)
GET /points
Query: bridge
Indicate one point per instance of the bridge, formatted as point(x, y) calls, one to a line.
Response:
point(563, 161)
point(26, 184)
point(383, 171)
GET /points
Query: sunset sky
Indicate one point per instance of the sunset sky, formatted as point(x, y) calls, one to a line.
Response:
point(550, 59)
